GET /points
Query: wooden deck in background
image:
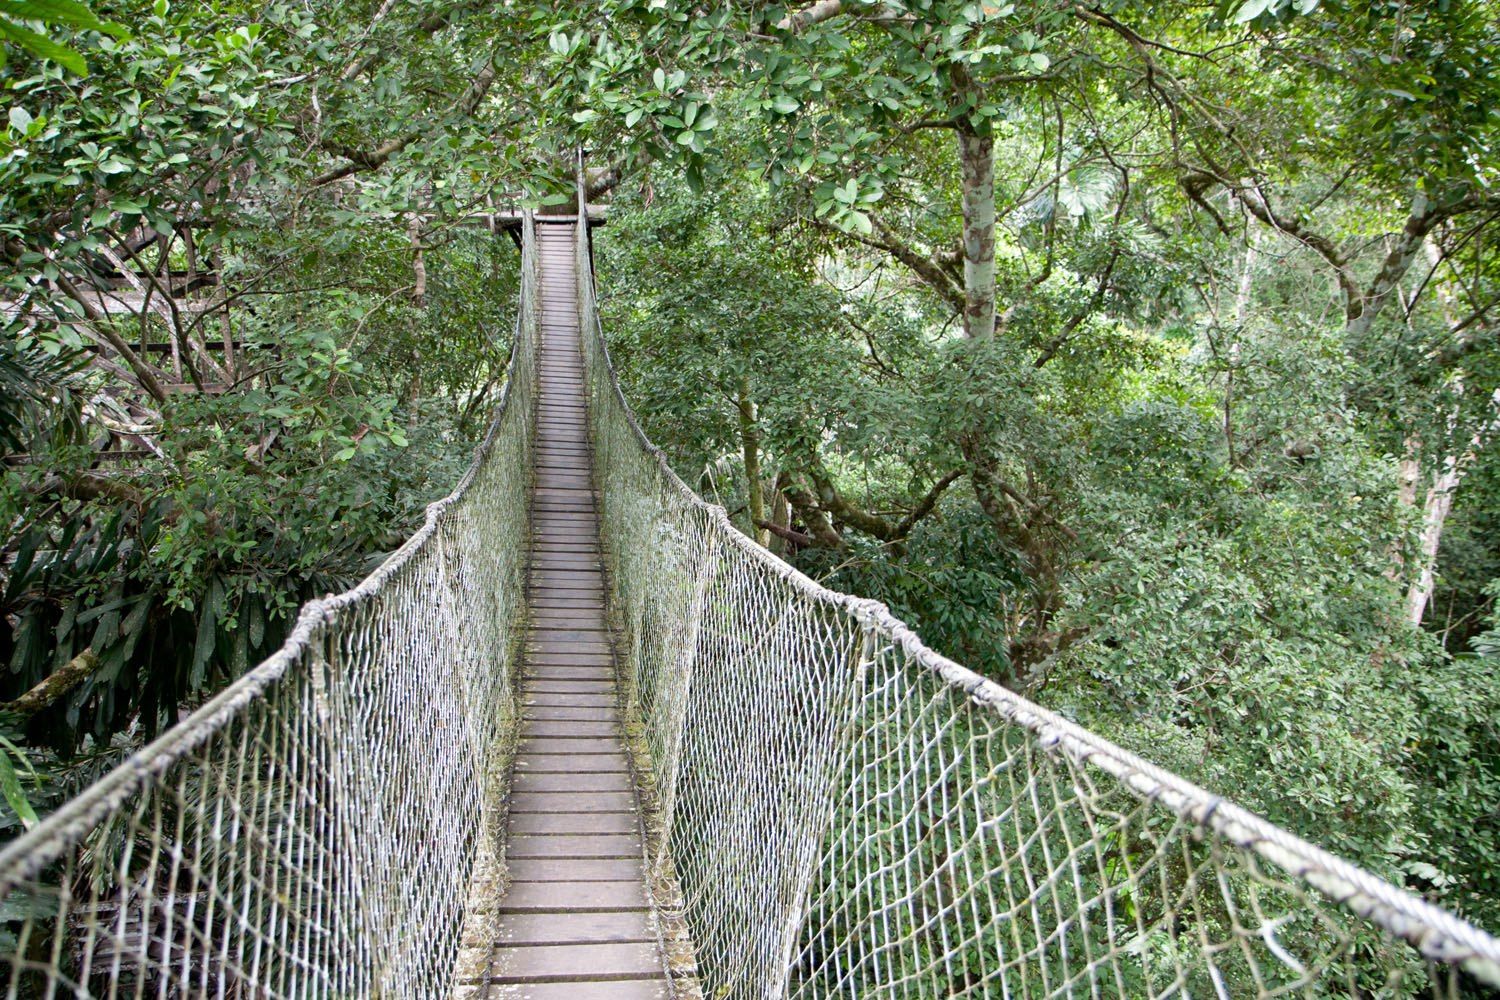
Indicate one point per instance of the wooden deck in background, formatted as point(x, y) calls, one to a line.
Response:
point(576, 923)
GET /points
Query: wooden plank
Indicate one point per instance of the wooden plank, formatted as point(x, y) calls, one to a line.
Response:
point(577, 802)
point(611, 845)
point(577, 870)
point(576, 896)
point(576, 584)
point(571, 577)
point(557, 578)
point(539, 761)
point(552, 636)
point(568, 727)
point(566, 601)
point(572, 687)
point(563, 616)
point(655, 988)
point(548, 562)
point(600, 669)
point(584, 745)
point(575, 713)
point(577, 561)
point(567, 675)
point(563, 781)
point(544, 544)
point(583, 618)
point(571, 698)
point(567, 640)
point(602, 661)
point(541, 928)
point(543, 588)
point(568, 963)
point(564, 645)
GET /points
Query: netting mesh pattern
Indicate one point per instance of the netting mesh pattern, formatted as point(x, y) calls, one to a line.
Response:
point(310, 832)
point(851, 814)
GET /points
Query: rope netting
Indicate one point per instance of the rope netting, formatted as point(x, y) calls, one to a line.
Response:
point(846, 812)
point(849, 813)
point(310, 832)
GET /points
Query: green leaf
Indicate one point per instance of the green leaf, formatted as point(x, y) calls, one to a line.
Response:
point(1250, 10)
point(63, 12)
point(10, 785)
point(20, 119)
point(659, 77)
point(44, 47)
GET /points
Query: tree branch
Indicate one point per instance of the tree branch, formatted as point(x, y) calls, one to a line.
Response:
point(819, 12)
point(789, 534)
point(54, 686)
point(365, 160)
point(927, 503)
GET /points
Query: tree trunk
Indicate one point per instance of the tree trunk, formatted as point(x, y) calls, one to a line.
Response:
point(1439, 502)
point(1435, 511)
point(1434, 514)
point(750, 443)
point(781, 517)
point(418, 261)
point(1420, 221)
point(977, 157)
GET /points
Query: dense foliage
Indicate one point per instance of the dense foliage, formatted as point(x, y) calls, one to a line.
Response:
point(233, 379)
point(1162, 427)
point(1143, 356)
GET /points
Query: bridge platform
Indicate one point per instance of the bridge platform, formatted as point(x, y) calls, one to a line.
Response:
point(576, 922)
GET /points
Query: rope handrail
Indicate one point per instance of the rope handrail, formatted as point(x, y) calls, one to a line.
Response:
point(1441, 938)
point(243, 852)
point(847, 812)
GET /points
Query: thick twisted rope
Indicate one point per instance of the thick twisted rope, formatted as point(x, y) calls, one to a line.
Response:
point(311, 830)
point(1068, 864)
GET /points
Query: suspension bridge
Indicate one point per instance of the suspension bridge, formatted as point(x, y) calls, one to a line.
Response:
point(579, 737)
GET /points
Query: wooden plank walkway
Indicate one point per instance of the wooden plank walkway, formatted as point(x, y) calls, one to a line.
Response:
point(575, 923)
